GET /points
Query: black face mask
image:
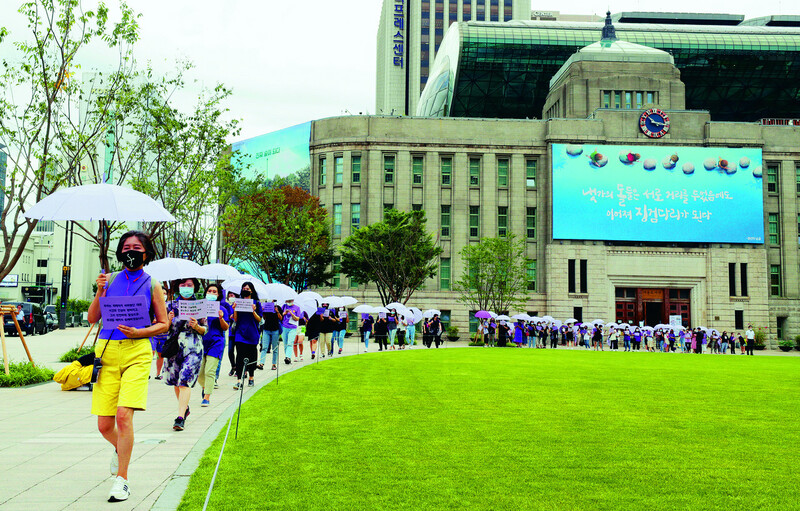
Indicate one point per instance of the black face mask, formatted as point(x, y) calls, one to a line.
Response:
point(245, 294)
point(132, 259)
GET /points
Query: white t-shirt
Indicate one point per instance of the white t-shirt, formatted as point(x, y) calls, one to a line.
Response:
point(750, 335)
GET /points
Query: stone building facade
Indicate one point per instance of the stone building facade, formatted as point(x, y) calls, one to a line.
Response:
point(485, 177)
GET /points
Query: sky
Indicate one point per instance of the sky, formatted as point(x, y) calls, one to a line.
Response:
point(289, 61)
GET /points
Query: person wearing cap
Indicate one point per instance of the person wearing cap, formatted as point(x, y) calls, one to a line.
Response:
point(290, 322)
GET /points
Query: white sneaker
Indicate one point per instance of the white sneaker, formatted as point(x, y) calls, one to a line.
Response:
point(114, 468)
point(119, 491)
point(296, 359)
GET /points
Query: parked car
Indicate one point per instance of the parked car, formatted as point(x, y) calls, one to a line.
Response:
point(33, 319)
point(51, 318)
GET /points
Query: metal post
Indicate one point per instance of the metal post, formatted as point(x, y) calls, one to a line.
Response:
point(241, 393)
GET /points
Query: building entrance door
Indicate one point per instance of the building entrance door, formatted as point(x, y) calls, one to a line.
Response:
point(653, 313)
point(652, 306)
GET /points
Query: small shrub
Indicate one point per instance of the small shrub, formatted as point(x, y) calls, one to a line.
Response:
point(797, 340)
point(761, 336)
point(24, 374)
point(474, 343)
point(452, 331)
point(73, 354)
point(786, 342)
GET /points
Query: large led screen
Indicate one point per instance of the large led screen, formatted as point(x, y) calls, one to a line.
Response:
point(277, 154)
point(657, 193)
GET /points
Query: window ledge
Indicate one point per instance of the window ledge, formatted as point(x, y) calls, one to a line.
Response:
point(740, 298)
point(577, 295)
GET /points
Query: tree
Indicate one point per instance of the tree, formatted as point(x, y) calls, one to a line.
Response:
point(398, 255)
point(494, 276)
point(179, 158)
point(282, 232)
point(45, 139)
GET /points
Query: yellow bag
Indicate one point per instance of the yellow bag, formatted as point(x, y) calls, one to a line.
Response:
point(73, 376)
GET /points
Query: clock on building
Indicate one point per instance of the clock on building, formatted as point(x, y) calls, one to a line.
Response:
point(654, 123)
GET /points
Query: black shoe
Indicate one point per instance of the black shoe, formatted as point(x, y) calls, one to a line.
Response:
point(187, 413)
point(312, 356)
point(260, 367)
point(233, 371)
point(179, 422)
point(251, 383)
point(287, 361)
point(158, 377)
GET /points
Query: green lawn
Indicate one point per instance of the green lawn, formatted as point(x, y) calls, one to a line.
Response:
point(516, 429)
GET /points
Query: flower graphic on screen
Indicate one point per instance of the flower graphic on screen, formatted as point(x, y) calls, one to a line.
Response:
point(628, 158)
point(597, 159)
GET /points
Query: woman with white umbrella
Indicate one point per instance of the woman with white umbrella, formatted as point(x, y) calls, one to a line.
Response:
point(125, 350)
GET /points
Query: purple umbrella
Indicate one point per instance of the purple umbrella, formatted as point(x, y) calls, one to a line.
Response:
point(483, 314)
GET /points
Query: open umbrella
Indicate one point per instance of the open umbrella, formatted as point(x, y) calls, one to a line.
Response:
point(310, 295)
point(598, 322)
point(217, 271)
point(395, 305)
point(415, 313)
point(431, 313)
point(278, 292)
point(547, 318)
point(309, 306)
point(235, 285)
point(332, 301)
point(570, 320)
point(171, 268)
point(347, 301)
point(503, 317)
point(521, 316)
point(483, 314)
point(377, 310)
point(364, 309)
point(106, 202)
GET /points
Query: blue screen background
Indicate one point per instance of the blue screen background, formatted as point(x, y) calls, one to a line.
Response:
point(598, 197)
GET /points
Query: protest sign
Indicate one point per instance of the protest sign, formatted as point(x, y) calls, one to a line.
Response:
point(268, 306)
point(125, 310)
point(243, 304)
point(212, 309)
point(188, 309)
point(343, 314)
point(382, 315)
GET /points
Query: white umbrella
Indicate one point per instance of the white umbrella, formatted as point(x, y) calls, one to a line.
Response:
point(416, 314)
point(364, 309)
point(570, 320)
point(395, 305)
point(99, 202)
point(521, 316)
point(503, 317)
point(307, 306)
point(235, 285)
point(278, 292)
point(310, 295)
point(377, 310)
point(556, 323)
point(171, 268)
point(332, 301)
point(347, 301)
point(598, 322)
point(217, 271)
point(493, 315)
point(547, 318)
point(431, 313)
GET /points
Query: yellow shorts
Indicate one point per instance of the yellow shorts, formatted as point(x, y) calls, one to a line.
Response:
point(123, 380)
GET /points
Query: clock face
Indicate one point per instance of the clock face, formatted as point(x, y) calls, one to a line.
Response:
point(654, 123)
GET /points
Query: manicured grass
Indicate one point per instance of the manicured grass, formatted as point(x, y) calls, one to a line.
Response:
point(516, 429)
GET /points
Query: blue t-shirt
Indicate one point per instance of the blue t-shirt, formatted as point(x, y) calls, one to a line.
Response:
point(214, 340)
point(127, 283)
point(246, 326)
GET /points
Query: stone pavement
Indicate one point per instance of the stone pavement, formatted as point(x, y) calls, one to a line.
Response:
point(53, 458)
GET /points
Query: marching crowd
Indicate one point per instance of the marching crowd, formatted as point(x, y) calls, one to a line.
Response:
point(540, 334)
point(191, 350)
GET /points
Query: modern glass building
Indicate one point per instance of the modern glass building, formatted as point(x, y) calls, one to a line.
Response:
point(738, 73)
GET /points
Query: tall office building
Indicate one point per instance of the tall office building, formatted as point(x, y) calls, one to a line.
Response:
point(409, 35)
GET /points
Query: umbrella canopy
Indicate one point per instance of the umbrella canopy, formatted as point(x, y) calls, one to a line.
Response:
point(483, 314)
point(364, 309)
point(415, 313)
point(347, 301)
point(570, 320)
point(431, 313)
point(332, 301)
point(556, 323)
point(99, 202)
point(521, 316)
point(376, 310)
point(218, 271)
point(310, 295)
point(236, 284)
point(309, 306)
point(395, 305)
point(598, 322)
point(171, 268)
point(278, 292)
point(503, 317)
point(547, 318)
